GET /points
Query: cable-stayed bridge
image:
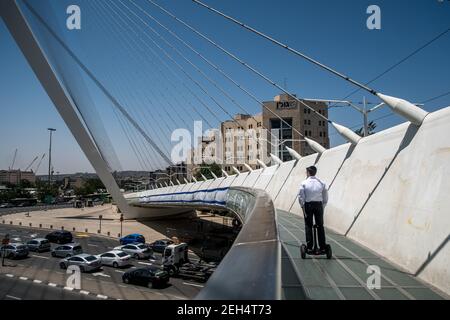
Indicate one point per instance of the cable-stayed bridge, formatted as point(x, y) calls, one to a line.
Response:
point(388, 192)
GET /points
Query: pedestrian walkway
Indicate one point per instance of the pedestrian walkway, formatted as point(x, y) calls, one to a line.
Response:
point(344, 277)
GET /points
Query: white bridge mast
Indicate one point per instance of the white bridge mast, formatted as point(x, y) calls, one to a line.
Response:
point(28, 44)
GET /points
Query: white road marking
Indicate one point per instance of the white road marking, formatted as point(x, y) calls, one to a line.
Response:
point(119, 271)
point(92, 245)
point(14, 298)
point(10, 275)
point(84, 292)
point(37, 281)
point(123, 286)
point(52, 284)
point(68, 288)
point(23, 278)
point(101, 274)
point(146, 263)
point(40, 257)
point(193, 284)
point(100, 296)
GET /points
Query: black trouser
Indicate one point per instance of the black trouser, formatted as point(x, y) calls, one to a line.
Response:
point(314, 210)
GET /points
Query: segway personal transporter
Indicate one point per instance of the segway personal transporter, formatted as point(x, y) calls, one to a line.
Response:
point(316, 251)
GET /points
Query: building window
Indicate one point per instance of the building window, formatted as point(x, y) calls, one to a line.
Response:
point(284, 133)
point(259, 124)
point(309, 122)
point(306, 133)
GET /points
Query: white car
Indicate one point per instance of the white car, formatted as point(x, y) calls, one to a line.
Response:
point(136, 250)
point(115, 258)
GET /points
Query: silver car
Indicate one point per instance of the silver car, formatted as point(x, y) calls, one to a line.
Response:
point(115, 258)
point(86, 262)
point(39, 245)
point(67, 250)
point(136, 250)
point(14, 251)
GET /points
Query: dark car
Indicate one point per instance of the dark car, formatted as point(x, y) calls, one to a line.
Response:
point(132, 238)
point(150, 276)
point(160, 245)
point(60, 237)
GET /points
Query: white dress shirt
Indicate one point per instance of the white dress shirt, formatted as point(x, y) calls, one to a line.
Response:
point(312, 189)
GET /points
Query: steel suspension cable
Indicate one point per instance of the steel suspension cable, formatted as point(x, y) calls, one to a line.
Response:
point(246, 65)
point(139, 101)
point(144, 146)
point(215, 67)
point(189, 76)
point(214, 83)
point(95, 80)
point(285, 46)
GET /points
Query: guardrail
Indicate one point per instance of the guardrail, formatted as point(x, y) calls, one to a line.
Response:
point(251, 270)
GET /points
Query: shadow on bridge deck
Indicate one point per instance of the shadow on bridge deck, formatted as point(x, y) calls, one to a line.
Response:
point(343, 277)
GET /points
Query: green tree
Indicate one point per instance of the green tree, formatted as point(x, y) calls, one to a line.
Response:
point(371, 129)
point(206, 169)
point(44, 191)
point(90, 186)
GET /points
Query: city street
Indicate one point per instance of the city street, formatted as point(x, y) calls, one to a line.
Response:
point(20, 278)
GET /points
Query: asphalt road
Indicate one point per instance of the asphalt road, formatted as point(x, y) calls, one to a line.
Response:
point(18, 289)
point(41, 273)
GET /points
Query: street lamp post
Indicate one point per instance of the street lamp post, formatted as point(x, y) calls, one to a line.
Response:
point(51, 130)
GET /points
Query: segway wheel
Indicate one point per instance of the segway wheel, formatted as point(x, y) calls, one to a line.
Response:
point(303, 251)
point(329, 252)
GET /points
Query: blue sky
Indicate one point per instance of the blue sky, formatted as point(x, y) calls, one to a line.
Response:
point(333, 32)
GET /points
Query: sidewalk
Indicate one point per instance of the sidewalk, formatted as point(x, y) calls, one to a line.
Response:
point(82, 220)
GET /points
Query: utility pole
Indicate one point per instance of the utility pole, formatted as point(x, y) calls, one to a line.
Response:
point(366, 122)
point(51, 130)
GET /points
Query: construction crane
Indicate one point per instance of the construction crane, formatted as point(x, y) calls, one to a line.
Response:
point(14, 160)
point(29, 166)
point(39, 164)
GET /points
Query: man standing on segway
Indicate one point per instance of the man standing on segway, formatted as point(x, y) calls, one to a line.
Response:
point(313, 197)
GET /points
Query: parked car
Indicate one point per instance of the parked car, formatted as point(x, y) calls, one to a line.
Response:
point(60, 237)
point(115, 258)
point(150, 276)
point(132, 238)
point(160, 245)
point(14, 251)
point(39, 245)
point(86, 262)
point(136, 250)
point(67, 250)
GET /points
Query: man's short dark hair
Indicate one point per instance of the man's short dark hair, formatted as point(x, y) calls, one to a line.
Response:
point(312, 170)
